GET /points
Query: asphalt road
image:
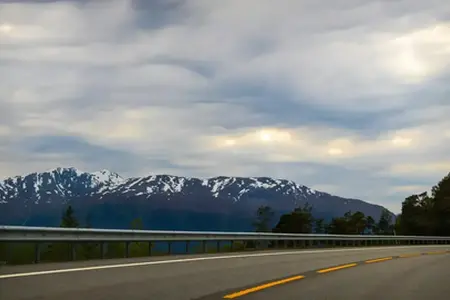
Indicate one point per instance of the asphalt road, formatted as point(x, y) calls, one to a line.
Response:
point(267, 275)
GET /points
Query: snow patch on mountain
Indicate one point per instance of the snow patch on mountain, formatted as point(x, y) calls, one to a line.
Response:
point(107, 177)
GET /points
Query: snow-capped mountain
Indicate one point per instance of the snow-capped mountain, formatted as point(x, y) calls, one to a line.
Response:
point(171, 201)
point(58, 184)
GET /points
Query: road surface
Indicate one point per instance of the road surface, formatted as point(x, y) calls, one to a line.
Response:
point(265, 275)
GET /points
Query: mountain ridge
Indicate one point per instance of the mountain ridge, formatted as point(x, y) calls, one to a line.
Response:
point(105, 193)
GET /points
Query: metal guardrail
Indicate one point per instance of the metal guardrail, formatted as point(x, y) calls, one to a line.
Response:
point(58, 234)
point(41, 235)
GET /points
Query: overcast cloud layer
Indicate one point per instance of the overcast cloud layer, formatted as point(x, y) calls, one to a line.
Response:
point(351, 97)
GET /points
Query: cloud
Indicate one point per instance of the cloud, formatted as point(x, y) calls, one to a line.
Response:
point(437, 167)
point(351, 96)
point(413, 189)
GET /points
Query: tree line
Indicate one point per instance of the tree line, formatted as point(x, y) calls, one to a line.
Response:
point(301, 220)
point(422, 214)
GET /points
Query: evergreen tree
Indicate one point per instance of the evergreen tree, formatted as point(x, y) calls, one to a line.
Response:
point(371, 226)
point(358, 222)
point(320, 226)
point(385, 222)
point(68, 219)
point(264, 216)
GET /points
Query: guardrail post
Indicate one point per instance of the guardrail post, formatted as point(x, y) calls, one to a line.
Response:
point(218, 246)
point(8, 253)
point(169, 247)
point(102, 250)
point(37, 253)
point(187, 247)
point(127, 249)
point(150, 247)
point(73, 253)
point(231, 246)
point(204, 246)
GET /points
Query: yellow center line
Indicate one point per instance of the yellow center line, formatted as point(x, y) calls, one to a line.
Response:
point(410, 255)
point(436, 252)
point(262, 287)
point(378, 260)
point(336, 268)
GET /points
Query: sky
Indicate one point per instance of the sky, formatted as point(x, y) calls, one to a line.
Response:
point(350, 97)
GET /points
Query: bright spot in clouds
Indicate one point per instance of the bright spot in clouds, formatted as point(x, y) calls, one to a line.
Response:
point(334, 151)
point(414, 55)
point(6, 28)
point(230, 142)
point(400, 141)
point(351, 97)
point(265, 136)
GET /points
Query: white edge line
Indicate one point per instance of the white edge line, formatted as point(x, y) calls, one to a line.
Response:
point(173, 261)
